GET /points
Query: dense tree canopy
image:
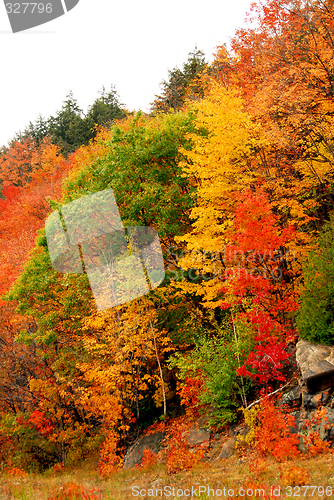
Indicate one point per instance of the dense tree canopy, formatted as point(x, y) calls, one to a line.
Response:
point(234, 170)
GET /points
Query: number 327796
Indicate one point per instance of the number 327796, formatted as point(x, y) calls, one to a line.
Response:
point(28, 8)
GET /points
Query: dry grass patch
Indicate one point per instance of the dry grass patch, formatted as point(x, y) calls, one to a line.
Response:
point(246, 470)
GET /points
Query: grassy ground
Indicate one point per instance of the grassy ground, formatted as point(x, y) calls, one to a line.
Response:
point(242, 476)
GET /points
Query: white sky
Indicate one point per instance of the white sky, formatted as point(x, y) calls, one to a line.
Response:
point(129, 43)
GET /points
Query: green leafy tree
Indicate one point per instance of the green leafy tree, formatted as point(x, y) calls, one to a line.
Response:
point(142, 167)
point(315, 320)
point(215, 361)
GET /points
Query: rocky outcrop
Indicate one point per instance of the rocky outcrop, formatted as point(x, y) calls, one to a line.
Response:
point(316, 365)
point(196, 436)
point(316, 388)
point(293, 398)
point(134, 454)
point(228, 448)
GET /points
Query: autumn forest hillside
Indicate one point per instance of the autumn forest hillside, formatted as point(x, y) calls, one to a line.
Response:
point(234, 168)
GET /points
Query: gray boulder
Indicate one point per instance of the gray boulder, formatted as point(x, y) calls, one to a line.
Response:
point(134, 454)
point(227, 448)
point(292, 398)
point(325, 428)
point(316, 365)
point(313, 401)
point(196, 436)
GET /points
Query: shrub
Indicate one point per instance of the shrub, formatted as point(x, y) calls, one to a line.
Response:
point(311, 433)
point(149, 459)
point(15, 471)
point(72, 491)
point(180, 456)
point(270, 431)
point(110, 455)
point(213, 366)
point(291, 475)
